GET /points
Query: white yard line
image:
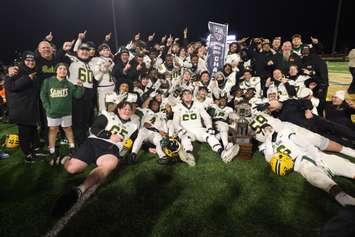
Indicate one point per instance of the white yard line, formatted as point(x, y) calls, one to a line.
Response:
point(62, 222)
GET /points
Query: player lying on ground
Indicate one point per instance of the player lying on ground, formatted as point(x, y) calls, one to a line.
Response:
point(108, 135)
point(261, 120)
point(187, 120)
point(317, 167)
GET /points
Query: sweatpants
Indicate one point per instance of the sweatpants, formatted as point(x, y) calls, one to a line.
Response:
point(29, 139)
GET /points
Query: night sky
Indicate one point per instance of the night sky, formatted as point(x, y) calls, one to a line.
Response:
point(25, 22)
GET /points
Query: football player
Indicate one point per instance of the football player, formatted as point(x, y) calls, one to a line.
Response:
point(110, 134)
point(220, 117)
point(102, 67)
point(154, 128)
point(261, 120)
point(83, 108)
point(317, 167)
point(285, 87)
point(188, 117)
point(251, 82)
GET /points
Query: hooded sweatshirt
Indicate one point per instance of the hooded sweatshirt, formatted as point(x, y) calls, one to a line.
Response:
point(57, 95)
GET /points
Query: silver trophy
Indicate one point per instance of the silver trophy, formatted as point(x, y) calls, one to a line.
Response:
point(242, 133)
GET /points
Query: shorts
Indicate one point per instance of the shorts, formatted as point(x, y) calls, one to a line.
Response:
point(64, 121)
point(93, 148)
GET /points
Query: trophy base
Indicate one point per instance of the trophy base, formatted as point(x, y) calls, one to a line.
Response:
point(245, 151)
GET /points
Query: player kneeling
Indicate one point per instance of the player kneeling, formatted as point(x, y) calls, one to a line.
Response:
point(109, 134)
point(317, 167)
point(187, 120)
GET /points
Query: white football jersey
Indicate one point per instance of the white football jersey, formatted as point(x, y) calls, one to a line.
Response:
point(262, 119)
point(299, 82)
point(281, 88)
point(253, 82)
point(117, 126)
point(191, 117)
point(208, 102)
point(221, 114)
point(80, 70)
point(102, 73)
point(233, 59)
point(283, 144)
point(157, 120)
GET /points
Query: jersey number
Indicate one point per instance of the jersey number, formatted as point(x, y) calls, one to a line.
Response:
point(85, 75)
point(186, 117)
point(258, 123)
point(118, 130)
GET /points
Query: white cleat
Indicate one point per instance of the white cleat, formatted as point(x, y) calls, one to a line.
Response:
point(188, 158)
point(230, 152)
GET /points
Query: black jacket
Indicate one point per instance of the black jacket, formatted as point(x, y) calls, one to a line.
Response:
point(314, 63)
point(294, 111)
point(259, 62)
point(340, 114)
point(130, 77)
point(23, 98)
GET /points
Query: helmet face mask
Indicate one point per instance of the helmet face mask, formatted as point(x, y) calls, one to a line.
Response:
point(170, 147)
point(281, 164)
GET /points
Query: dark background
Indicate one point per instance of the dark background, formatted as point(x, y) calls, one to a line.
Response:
point(25, 22)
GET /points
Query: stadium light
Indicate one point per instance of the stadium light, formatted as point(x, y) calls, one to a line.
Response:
point(114, 23)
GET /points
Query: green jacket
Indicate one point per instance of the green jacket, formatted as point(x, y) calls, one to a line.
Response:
point(57, 96)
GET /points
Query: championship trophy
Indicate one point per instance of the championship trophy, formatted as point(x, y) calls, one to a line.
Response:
point(242, 133)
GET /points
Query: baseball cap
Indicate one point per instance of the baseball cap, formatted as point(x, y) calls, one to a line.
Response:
point(103, 46)
point(84, 46)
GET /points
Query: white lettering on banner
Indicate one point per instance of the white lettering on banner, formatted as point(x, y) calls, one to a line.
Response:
point(217, 44)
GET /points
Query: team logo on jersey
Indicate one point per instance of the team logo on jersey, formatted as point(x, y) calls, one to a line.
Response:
point(57, 93)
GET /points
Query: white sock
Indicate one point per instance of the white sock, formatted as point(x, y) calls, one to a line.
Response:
point(348, 151)
point(345, 199)
point(52, 150)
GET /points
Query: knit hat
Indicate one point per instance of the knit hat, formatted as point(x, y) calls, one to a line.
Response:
point(28, 54)
point(340, 94)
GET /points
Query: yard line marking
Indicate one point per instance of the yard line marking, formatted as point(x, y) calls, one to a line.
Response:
point(338, 83)
point(59, 226)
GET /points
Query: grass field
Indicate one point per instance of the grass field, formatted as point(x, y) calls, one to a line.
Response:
point(242, 198)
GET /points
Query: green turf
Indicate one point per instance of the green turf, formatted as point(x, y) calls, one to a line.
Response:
point(338, 67)
point(242, 198)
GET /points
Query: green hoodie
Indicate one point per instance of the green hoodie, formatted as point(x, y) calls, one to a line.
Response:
point(57, 96)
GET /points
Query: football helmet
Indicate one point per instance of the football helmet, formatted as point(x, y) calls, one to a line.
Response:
point(126, 147)
point(281, 164)
point(11, 141)
point(170, 146)
point(127, 144)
